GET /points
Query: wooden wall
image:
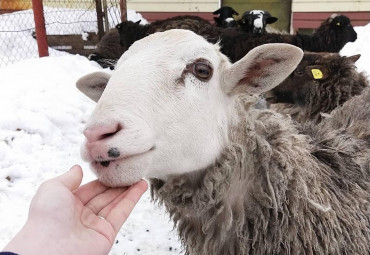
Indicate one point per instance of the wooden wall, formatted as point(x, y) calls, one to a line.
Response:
point(330, 5)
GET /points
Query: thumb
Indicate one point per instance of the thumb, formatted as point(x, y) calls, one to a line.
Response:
point(71, 179)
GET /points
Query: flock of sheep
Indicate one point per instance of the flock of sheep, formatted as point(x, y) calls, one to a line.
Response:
point(255, 142)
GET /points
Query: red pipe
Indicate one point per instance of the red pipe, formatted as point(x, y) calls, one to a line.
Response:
point(42, 42)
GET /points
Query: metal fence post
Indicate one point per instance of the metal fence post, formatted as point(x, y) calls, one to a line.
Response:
point(42, 41)
point(99, 15)
point(123, 7)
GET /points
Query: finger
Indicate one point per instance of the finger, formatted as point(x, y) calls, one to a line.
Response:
point(90, 190)
point(126, 202)
point(99, 202)
point(71, 179)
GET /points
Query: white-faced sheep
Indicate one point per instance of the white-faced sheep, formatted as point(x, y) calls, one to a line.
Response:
point(225, 17)
point(319, 84)
point(235, 180)
point(255, 21)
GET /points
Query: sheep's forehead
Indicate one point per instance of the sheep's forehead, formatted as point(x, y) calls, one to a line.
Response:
point(175, 45)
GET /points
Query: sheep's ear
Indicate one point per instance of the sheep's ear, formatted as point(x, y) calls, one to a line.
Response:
point(271, 20)
point(354, 58)
point(217, 11)
point(93, 85)
point(234, 12)
point(262, 69)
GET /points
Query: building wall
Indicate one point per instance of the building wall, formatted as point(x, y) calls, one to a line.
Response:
point(153, 10)
point(330, 5)
point(173, 5)
point(308, 14)
point(12, 5)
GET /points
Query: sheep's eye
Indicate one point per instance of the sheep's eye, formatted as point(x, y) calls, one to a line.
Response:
point(299, 72)
point(202, 71)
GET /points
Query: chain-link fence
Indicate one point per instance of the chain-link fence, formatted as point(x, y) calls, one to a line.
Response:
point(71, 25)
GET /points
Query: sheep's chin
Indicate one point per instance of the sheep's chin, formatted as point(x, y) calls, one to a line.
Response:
point(110, 181)
point(119, 174)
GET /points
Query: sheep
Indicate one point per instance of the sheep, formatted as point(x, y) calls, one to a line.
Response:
point(108, 50)
point(349, 118)
point(129, 32)
point(331, 36)
point(235, 43)
point(320, 83)
point(235, 180)
point(255, 21)
point(225, 17)
point(117, 40)
point(190, 22)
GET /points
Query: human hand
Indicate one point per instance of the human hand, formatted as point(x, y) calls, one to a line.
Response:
point(67, 219)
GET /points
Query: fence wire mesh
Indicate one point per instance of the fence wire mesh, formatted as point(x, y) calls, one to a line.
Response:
point(64, 20)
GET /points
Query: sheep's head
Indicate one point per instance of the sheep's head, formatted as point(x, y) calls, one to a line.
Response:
point(129, 32)
point(225, 18)
point(317, 73)
point(337, 30)
point(167, 107)
point(255, 21)
point(342, 25)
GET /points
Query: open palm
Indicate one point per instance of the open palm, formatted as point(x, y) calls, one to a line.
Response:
point(79, 220)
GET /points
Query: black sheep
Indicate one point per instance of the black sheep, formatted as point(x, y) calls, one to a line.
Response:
point(331, 36)
point(119, 39)
point(225, 17)
point(129, 32)
point(108, 50)
point(320, 83)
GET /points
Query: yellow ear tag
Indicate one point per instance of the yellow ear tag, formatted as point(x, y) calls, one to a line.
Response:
point(317, 74)
point(338, 24)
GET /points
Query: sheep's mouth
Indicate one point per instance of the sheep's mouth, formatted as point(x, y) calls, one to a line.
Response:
point(106, 163)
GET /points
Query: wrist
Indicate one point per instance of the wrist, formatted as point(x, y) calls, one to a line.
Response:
point(34, 239)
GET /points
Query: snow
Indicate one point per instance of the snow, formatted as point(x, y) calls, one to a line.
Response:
point(41, 122)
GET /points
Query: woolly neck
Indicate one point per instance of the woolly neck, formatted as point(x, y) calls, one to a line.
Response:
point(266, 194)
point(213, 207)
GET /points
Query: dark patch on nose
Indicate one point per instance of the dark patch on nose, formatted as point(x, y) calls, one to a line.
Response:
point(105, 163)
point(113, 153)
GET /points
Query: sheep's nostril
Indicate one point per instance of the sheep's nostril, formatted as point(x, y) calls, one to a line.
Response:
point(101, 132)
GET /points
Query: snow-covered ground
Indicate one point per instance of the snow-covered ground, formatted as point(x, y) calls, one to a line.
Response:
point(42, 115)
point(41, 121)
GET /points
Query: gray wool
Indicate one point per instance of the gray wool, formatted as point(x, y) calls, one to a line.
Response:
point(269, 194)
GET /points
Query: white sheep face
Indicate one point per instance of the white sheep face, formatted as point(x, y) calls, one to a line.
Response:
point(167, 107)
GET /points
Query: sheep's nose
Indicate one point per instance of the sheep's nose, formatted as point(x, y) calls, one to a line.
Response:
point(100, 132)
